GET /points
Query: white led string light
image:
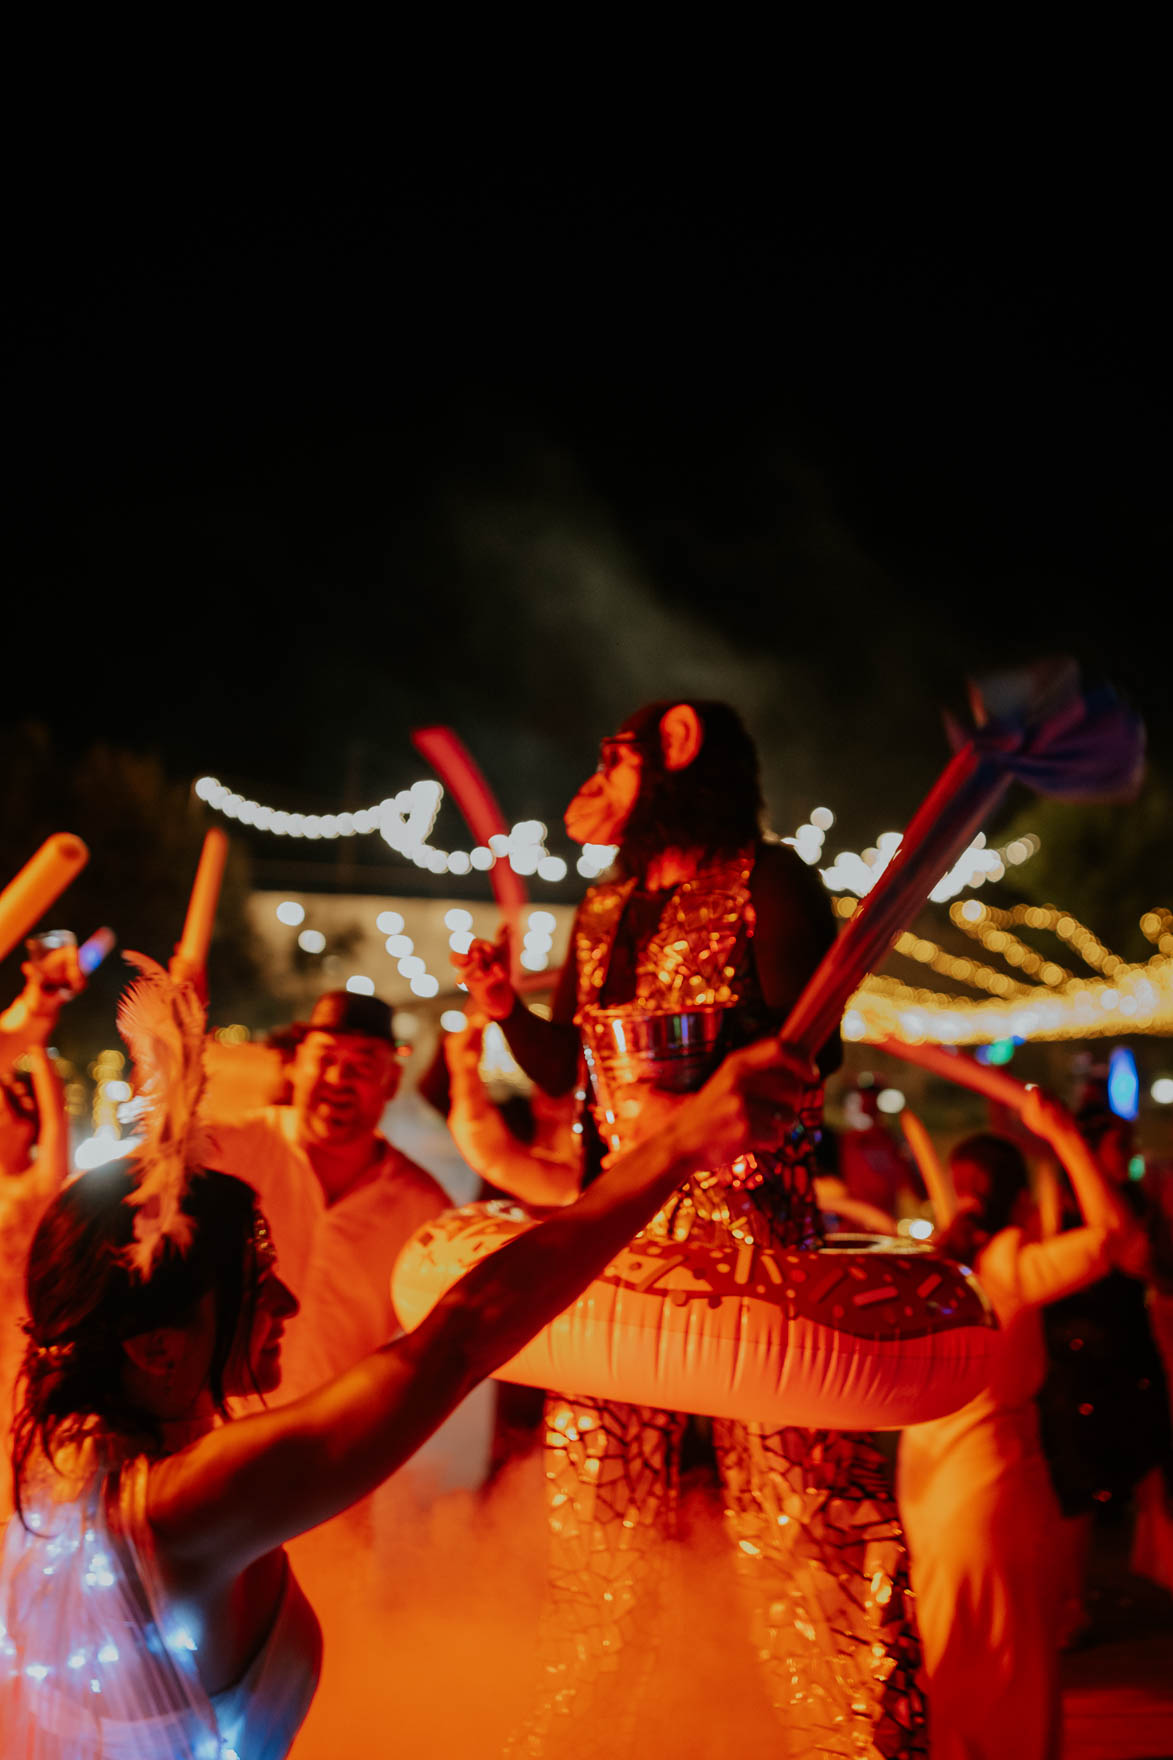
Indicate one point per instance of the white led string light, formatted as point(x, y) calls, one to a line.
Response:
point(405, 823)
point(858, 873)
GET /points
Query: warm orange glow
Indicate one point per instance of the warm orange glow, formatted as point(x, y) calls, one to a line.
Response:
point(192, 950)
point(43, 878)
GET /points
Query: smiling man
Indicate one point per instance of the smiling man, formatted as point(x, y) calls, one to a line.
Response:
point(340, 1199)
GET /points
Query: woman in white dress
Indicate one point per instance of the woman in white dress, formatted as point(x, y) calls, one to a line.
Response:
point(981, 1518)
point(147, 1608)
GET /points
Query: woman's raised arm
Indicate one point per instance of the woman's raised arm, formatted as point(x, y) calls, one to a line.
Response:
point(254, 1484)
point(52, 1166)
point(1111, 1236)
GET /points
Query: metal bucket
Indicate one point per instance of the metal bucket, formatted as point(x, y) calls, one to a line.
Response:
point(630, 1049)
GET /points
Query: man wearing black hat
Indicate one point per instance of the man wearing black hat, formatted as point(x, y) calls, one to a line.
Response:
point(340, 1199)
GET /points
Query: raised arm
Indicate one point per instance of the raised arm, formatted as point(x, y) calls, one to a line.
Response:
point(250, 1486)
point(547, 1050)
point(29, 1020)
point(1100, 1204)
point(52, 1164)
point(485, 1140)
point(1105, 1214)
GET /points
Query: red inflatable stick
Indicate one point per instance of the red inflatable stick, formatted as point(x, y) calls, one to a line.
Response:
point(43, 878)
point(453, 763)
point(1035, 727)
point(937, 1182)
point(191, 954)
point(955, 1066)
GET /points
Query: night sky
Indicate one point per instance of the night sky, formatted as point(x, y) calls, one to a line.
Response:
point(298, 472)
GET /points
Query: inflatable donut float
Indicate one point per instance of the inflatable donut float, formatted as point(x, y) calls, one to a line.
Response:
point(865, 1333)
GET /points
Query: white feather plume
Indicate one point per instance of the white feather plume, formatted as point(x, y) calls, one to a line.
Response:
point(163, 1024)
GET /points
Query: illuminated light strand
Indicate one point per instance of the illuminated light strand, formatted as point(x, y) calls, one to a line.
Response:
point(965, 971)
point(1016, 953)
point(809, 838)
point(1157, 926)
point(858, 872)
point(986, 922)
point(973, 972)
point(1137, 1000)
point(405, 822)
point(595, 859)
point(538, 945)
point(1128, 999)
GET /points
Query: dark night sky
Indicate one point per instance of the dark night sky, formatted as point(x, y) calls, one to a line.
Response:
point(298, 472)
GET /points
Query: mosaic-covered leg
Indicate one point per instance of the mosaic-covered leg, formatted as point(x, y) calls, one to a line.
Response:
point(611, 1491)
point(823, 1565)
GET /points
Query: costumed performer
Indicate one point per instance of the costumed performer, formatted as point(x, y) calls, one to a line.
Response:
point(982, 1520)
point(708, 918)
point(147, 1608)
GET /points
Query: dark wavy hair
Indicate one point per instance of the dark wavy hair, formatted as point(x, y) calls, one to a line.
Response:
point(713, 805)
point(83, 1300)
point(1005, 1178)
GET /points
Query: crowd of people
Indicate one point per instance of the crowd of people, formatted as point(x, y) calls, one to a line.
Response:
point(174, 1424)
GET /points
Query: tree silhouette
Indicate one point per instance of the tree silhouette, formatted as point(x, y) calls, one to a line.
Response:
point(144, 833)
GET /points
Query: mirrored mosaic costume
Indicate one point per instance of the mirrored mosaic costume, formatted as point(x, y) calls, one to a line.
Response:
point(815, 1534)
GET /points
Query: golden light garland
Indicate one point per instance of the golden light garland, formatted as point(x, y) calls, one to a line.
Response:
point(1157, 926)
point(1122, 999)
point(991, 926)
point(964, 971)
point(974, 972)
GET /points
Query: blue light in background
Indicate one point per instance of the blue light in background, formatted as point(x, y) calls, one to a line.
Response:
point(1123, 1083)
point(1000, 1051)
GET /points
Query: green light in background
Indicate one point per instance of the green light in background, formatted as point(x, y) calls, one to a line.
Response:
point(1001, 1051)
point(1136, 1167)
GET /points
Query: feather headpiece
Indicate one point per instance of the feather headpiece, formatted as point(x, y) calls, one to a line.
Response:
point(162, 1022)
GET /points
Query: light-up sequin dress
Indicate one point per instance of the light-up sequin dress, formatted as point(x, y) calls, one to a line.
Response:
point(93, 1659)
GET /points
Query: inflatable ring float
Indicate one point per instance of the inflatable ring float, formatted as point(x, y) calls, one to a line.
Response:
point(864, 1333)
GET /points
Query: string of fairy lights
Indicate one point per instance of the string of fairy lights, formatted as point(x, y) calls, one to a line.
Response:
point(1120, 998)
point(406, 822)
point(1022, 993)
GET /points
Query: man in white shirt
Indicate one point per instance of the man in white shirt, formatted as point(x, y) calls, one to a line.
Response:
point(339, 1198)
